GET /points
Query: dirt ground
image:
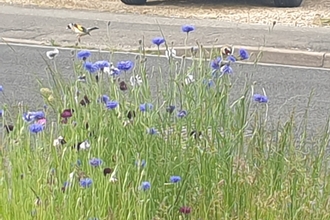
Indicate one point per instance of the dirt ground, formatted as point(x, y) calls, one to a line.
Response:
point(311, 13)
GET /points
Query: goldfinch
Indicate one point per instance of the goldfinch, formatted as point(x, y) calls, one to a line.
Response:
point(80, 30)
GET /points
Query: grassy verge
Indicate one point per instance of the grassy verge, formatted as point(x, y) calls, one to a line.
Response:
point(185, 151)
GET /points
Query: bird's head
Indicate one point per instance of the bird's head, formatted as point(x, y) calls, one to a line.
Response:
point(69, 26)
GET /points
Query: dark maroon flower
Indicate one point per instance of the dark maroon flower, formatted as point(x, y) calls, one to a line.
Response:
point(67, 113)
point(107, 171)
point(9, 128)
point(122, 86)
point(185, 210)
point(196, 134)
point(64, 121)
point(84, 101)
point(130, 114)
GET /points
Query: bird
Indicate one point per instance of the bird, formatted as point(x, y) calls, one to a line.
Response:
point(80, 30)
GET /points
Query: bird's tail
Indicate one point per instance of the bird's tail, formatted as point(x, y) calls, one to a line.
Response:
point(92, 29)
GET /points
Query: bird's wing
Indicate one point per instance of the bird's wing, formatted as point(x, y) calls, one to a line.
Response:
point(80, 28)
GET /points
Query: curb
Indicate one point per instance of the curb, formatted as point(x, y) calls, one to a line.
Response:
point(266, 55)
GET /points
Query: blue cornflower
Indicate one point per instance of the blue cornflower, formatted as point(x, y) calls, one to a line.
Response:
point(84, 54)
point(209, 82)
point(151, 131)
point(158, 41)
point(141, 163)
point(170, 109)
point(145, 186)
point(231, 58)
point(111, 104)
point(36, 128)
point(105, 99)
point(125, 65)
point(86, 182)
point(215, 64)
point(95, 162)
point(182, 113)
point(32, 116)
point(226, 69)
point(175, 179)
point(101, 64)
point(260, 98)
point(1, 89)
point(146, 106)
point(1, 112)
point(243, 54)
point(187, 28)
point(90, 67)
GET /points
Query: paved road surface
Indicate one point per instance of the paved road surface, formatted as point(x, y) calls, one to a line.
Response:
point(49, 24)
point(286, 87)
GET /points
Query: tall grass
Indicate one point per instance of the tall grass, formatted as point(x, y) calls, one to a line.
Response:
point(237, 168)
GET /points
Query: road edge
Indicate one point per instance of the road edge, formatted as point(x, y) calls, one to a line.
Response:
point(266, 55)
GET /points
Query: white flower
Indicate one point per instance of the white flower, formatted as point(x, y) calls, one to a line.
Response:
point(170, 53)
point(71, 176)
point(113, 179)
point(111, 70)
point(84, 145)
point(189, 79)
point(37, 201)
point(58, 141)
point(52, 54)
point(82, 78)
point(136, 80)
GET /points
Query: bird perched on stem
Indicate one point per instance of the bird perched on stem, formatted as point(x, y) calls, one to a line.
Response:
point(80, 30)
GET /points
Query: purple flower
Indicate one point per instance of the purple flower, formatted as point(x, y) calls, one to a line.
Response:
point(1, 89)
point(111, 104)
point(101, 64)
point(170, 109)
point(146, 106)
point(145, 186)
point(243, 54)
point(260, 98)
point(90, 67)
point(209, 83)
point(95, 162)
point(226, 69)
point(33, 116)
point(141, 163)
point(175, 179)
point(187, 28)
point(84, 54)
point(86, 182)
point(125, 65)
point(36, 128)
point(151, 131)
point(231, 58)
point(105, 99)
point(182, 113)
point(1, 112)
point(158, 41)
point(215, 64)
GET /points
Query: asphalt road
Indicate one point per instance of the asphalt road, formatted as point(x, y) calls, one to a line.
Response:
point(48, 25)
point(288, 88)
